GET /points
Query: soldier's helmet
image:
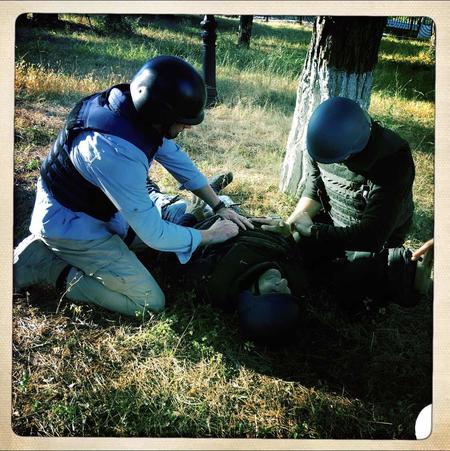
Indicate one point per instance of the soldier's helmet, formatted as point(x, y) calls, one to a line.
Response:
point(337, 129)
point(269, 318)
point(167, 89)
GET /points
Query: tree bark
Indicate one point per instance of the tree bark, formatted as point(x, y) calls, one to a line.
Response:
point(340, 61)
point(433, 37)
point(24, 20)
point(45, 20)
point(115, 23)
point(245, 30)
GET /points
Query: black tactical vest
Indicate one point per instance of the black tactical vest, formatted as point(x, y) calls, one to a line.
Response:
point(347, 191)
point(98, 113)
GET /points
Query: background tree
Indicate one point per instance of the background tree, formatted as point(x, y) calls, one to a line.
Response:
point(342, 55)
point(116, 23)
point(24, 20)
point(433, 36)
point(40, 20)
point(245, 30)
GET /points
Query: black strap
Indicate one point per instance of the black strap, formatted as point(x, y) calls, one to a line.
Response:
point(217, 207)
point(131, 235)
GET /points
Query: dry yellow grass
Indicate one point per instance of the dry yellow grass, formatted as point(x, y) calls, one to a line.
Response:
point(32, 79)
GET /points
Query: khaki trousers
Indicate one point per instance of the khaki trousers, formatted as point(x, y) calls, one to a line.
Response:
point(107, 273)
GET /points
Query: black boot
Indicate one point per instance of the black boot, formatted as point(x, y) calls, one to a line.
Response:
point(220, 181)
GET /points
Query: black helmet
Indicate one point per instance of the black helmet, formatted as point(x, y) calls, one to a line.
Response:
point(338, 128)
point(167, 89)
point(268, 318)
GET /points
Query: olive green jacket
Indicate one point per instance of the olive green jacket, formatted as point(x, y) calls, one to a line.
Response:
point(368, 196)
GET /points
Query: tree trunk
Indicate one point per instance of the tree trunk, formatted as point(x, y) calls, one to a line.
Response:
point(245, 30)
point(340, 61)
point(24, 20)
point(115, 23)
point(45, 20)
point(433, 37)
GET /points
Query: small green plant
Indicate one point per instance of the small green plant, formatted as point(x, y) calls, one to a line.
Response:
point(23, 382)
point(33, 164)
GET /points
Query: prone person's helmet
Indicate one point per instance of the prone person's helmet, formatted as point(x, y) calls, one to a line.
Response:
point(337, 129)
point(269, 318)
point(167, 89)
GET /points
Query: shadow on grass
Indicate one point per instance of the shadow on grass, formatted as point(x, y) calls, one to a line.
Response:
point(380, 361)
point(42, 48)
point(420, 137)
point(24, 196)
point(402, 46)
point(409, 81)
point(423, 225)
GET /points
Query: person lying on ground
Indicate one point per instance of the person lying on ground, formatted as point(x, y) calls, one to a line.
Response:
point(267, 278)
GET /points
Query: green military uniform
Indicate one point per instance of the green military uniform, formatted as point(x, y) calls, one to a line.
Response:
point(368, 196)
point(220, 272)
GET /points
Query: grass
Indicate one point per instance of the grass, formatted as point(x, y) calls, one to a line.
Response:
point(81, 371)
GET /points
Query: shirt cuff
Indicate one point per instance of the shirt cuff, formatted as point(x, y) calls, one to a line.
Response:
point(184, 257)
point(195, 183)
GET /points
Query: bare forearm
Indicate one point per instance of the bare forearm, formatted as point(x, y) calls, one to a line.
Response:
point(207, 194)
point(305, 205)
point(206, 237)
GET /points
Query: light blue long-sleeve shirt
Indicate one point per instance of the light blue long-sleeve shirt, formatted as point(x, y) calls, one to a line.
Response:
point(120, 169)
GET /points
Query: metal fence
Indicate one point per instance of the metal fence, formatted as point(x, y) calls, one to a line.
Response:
point(414, 27)
point(405, 26)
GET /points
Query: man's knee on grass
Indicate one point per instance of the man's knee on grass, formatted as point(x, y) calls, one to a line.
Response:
point(137, 297)
point(153, 302)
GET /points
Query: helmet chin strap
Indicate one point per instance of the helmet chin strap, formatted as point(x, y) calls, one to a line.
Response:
point(165, 129)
